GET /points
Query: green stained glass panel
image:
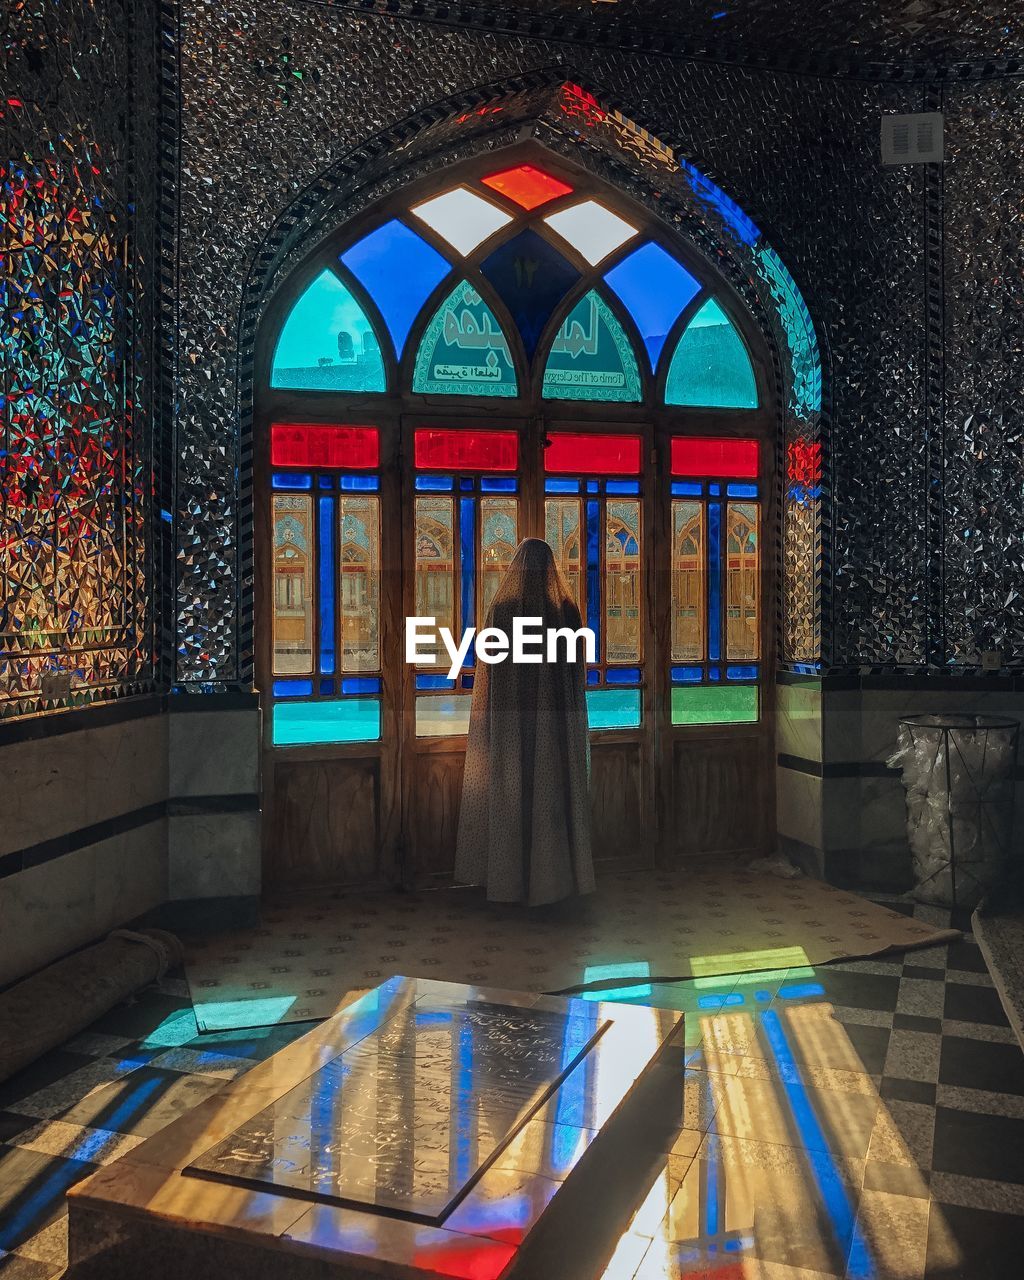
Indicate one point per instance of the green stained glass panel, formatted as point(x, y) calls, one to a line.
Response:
point(710, 366)
point(348, 720)
point(591, 358)
point(463, 350)
point(714, 704)
point(327, 343)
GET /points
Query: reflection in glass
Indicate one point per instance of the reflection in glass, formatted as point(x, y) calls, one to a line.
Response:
point(293, 584)
point(499, 524)
point(562, 534)
point(435, 568)
point(327, 343)
point(622, 580)
point(687, 581)
point(710, 365)
point(360, 582)
point(742, 581)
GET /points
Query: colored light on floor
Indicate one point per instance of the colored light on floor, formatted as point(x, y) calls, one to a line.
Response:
point(399, 270)
point(313, 444)
point(309, 723)
point(592, 454)
point(636, 970)
point(443, 450)
point(592, 230)
point(526, 185)
point(654, 288)
point(462, 218)
point(613, 708)
point(723, 704)
point(714, 456)
point(225, 1014)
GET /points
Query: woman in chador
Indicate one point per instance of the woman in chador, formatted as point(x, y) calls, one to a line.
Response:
point(524, 826)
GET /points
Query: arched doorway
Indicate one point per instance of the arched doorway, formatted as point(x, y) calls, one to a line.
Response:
point(510, 348)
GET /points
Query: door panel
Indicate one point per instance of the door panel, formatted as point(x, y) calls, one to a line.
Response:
point(324, 823)
point(616, 805)
point(719, 802)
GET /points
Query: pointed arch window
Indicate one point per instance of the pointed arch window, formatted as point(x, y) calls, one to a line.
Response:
point(591, 358)
point(328, 343)
point(464, 350)
point(710, 366)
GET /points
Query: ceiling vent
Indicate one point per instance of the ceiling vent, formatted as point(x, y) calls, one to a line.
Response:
point(912, 139)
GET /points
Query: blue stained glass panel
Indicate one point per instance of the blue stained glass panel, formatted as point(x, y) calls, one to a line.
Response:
point(531, 278)
point(715, 489)
point(594, 571)
point(654, 288)
point(327, 586)
point(714, 673)
point(741, 673)
point(593, 486)
point(622, 675)
point(466, 484)
point(686, 489)
point(622, 486)
point(710, 365)
point(434, 484)
point(360, 484)
point(613, 708)
point(687, 675)
point(293, 688)
point(361, 684)
point(463, 350)
point(433, 682)
point(499, 484)
point(327, 343)
point(593, 677)
point(714, 581)
point(741, 490)
point(467, 549)
point(289, 480)
point(561, 486)
point(325, 482)
point(299, 723)
point(327, 688)
point(399, 270)
point(590, 357)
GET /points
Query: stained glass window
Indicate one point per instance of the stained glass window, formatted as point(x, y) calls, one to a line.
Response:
point(715, 704)
point(359, 567)
point(562, 534)
point(435, 568)
point(710, 365)
point(528, 186)
point(592, 230)
point(714, 456)
point(743, 585)
point(569, 452)
point(622, 580)
point(312, 444)
point(462, 218)
point(399, 270)
point(499, 537)
point(591, 358)
point(531, 277)
point(463, 350)
point(294, 599)
point(613, 708)
point(654, 288)
point(307, 723)
point(688, 581)
point(439, 449)
point(327, 343)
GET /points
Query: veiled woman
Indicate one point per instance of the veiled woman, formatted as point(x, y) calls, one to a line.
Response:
point(524, 825)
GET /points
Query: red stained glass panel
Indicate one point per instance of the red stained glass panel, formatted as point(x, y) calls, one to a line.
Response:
point(714, 456)
point(569, 453)
point(527, 186)
point(439, 449)
point(309, 444)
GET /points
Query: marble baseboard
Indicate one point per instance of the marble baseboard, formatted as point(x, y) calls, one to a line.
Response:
point(214, 855)
point(213, 752)
point(206, 915)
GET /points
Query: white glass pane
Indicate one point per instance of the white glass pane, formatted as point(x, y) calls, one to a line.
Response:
point(462, 218)
point(591, 229)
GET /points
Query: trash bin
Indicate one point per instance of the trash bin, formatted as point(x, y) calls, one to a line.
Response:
point(958, 773)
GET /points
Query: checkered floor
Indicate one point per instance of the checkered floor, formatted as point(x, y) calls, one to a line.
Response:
point(901, 1073)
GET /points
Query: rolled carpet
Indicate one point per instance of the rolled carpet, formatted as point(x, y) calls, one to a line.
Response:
point(53, 1005)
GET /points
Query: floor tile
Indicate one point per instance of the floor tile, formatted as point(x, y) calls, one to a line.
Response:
point(140, 1018)
point(979, 1031)
point(765, 1110)
point(977, 1193)
point(63, 1094)
point(921, 997)
point(76, 1142)
point(14, 1266)
point(913, 1055)
point(47, 1070)
point(897, 1179)
point(143, 1102)
point(984, 1100)
point(974, 1004)
point(973, 1244)
point(32, 1191)
point(11, 1124)
point(203, 1062)
point(978, 1145)
point(998, 1068)
point(966, 955)
point(891, 1237)
point(903, 1134)
point(891, 1087)
point(914, 1022)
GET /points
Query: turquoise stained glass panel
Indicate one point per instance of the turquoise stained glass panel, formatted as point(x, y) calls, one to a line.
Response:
point(327, 343)
point(463, 350)
point(591, 358)
point(613, 708)
point(710, 365)
point(348, 720)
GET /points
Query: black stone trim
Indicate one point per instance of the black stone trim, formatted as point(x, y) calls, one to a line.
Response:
point(970, 680)
point(57, 847)
point(205, 915)
point(222, 700)
point(836, 768)
point(95, 716)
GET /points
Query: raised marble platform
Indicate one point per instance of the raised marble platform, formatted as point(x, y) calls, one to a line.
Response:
point(427, 1129)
